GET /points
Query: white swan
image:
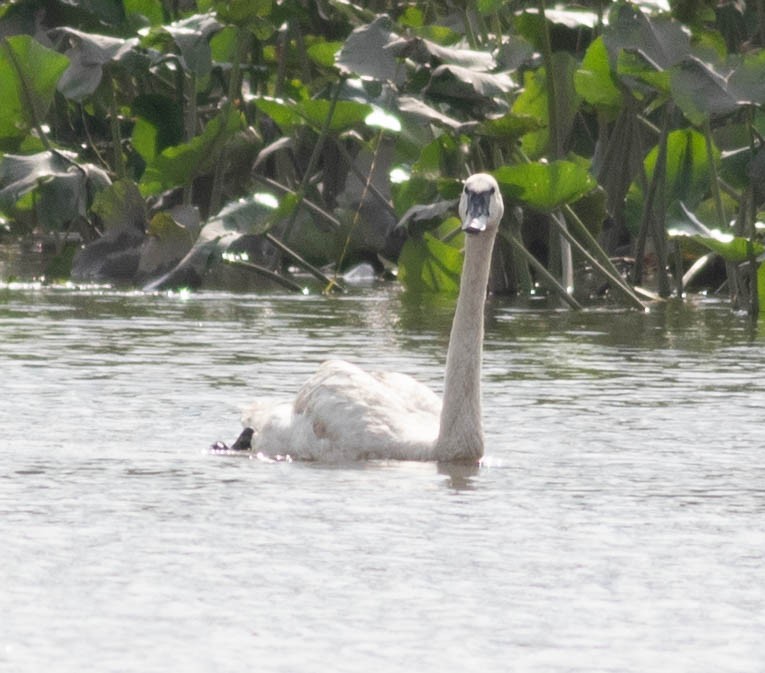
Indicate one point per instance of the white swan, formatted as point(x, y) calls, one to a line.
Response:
point(343, 413)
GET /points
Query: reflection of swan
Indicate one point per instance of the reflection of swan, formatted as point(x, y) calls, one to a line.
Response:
point(344, 413)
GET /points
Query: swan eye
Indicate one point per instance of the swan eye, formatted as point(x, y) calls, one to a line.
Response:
point(491, 192)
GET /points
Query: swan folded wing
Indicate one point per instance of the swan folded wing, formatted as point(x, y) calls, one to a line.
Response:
point(345, 413)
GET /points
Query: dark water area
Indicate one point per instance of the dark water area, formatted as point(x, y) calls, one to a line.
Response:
point(616, 524)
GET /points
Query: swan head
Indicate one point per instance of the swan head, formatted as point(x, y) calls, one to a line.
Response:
point(481, 205)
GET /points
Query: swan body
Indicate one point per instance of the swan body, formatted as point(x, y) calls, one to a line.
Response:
point(343, 413)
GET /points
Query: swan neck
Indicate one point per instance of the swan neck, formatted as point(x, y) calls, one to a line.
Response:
point(460, 435)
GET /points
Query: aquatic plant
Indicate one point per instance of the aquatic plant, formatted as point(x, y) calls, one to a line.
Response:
point(199, 144)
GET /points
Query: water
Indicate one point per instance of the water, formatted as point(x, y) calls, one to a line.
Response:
point(617, 525)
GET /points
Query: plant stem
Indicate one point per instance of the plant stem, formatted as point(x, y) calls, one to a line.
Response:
point(648, 219)
point(114, 126)
point(317, 273)
point(367, 182)
point(233, 92)
point(602, 263)
point(552, 104)
point(191, 125)
point(314, 159)
point(721, 219)
point(267, 273)
point(548, 278)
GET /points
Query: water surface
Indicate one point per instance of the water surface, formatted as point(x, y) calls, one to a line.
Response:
point(617, 524)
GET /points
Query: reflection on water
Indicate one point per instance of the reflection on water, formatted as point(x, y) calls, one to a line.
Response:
point(616, 524)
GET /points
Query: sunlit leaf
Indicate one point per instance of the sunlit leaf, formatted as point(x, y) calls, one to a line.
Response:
point(441, 156)
point(287, 114)
point(324, 53)
point(412, 17)
point(378, 118)
point(148, 10)
point(412, 192)
point(594, 80)
point(544, 186)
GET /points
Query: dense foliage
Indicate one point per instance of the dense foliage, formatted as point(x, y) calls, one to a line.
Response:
point(188, 143)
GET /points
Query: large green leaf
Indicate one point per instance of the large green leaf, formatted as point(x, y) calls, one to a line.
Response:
point(367, 52)
point(87, 56)
point(687, 179)
point(594, 80)
point(545, 186)
point(180, 164)
point(29, 73)
point(701, 90)
point(429, 265)
point(346, 114)
point(660, 41)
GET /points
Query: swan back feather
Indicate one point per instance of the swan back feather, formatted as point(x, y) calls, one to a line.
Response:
point(344, 413)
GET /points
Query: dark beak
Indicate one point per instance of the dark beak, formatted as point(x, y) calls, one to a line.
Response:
point(477, 212)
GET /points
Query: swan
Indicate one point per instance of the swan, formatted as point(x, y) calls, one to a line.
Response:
point(344, 413)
